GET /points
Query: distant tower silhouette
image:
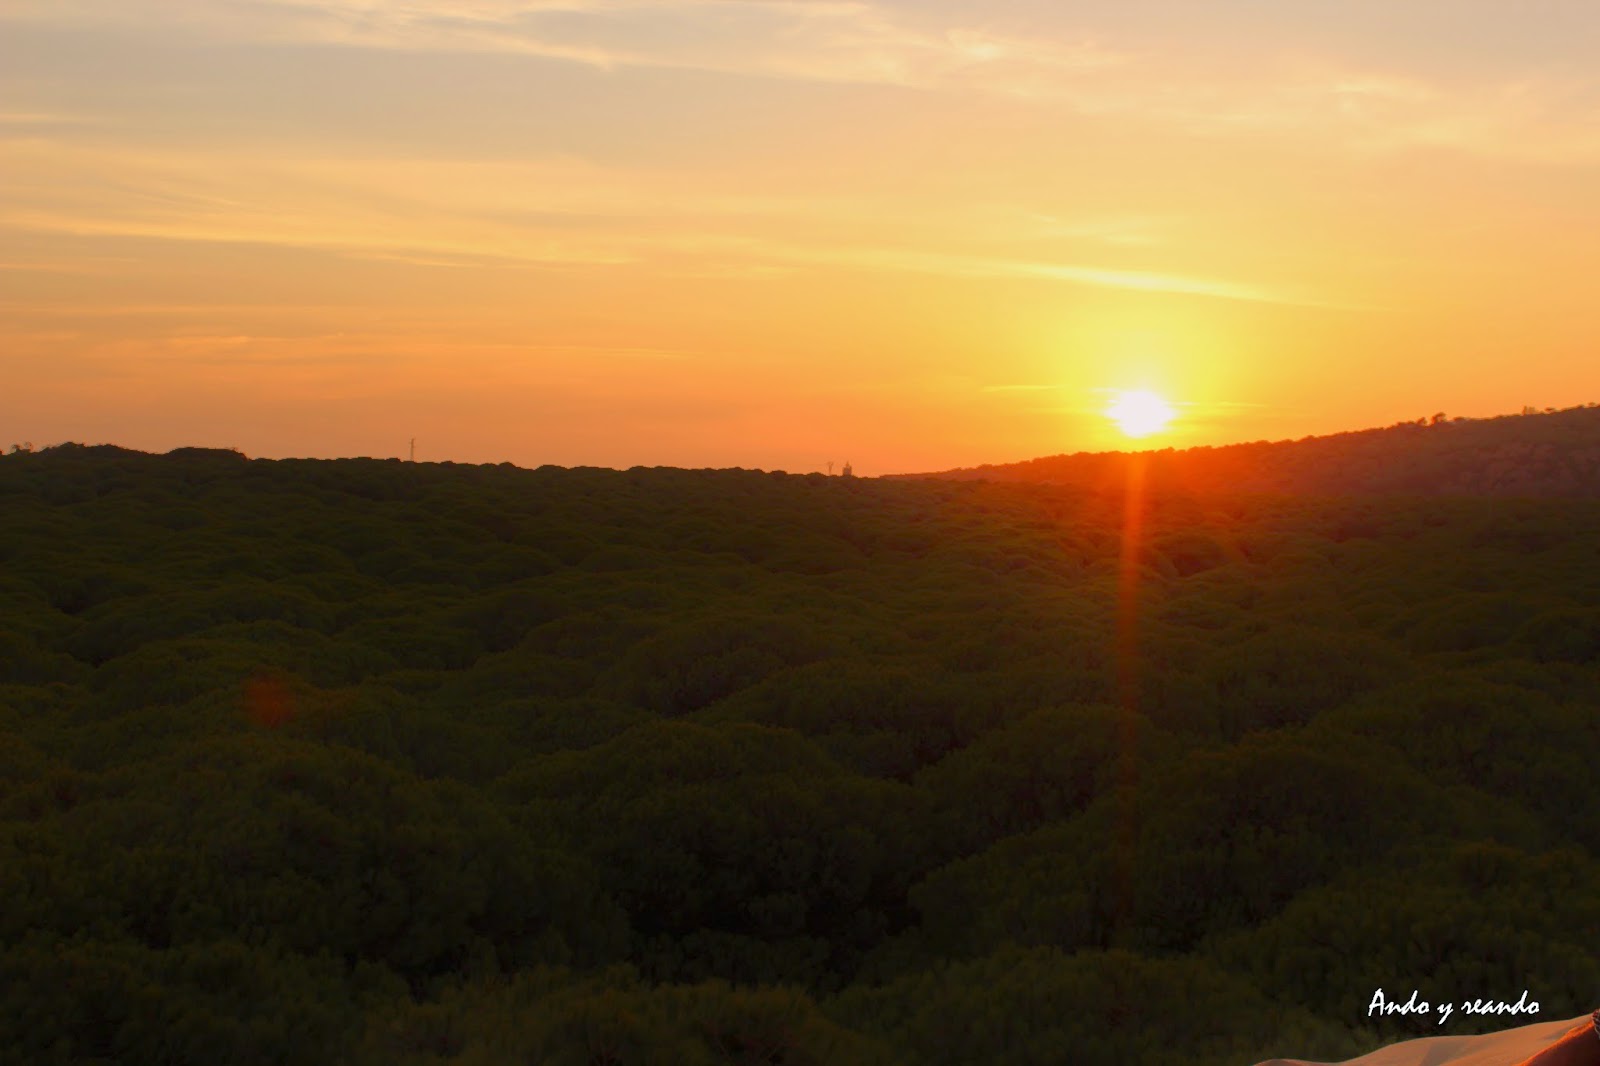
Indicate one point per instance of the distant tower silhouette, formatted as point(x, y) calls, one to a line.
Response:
point(830, 467)
point(848, 472)
point(413, 449)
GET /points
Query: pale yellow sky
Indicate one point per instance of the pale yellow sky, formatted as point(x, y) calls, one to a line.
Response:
point(771, 233)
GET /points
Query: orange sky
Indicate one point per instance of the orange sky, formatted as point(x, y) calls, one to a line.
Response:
point(771, 233)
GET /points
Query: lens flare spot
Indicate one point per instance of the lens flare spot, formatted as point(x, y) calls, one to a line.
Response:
point(268, 701)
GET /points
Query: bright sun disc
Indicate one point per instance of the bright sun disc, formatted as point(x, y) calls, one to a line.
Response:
point(1139, 413)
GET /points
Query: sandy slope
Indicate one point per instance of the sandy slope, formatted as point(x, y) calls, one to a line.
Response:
point(1505, 1048)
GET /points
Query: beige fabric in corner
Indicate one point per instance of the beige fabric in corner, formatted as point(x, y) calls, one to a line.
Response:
point(1505, 1048)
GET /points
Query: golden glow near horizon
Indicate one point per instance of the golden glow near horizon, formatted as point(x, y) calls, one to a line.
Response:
point(768, 234)
point(1139, 412)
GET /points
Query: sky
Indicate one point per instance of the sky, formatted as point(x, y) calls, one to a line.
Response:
point(781, 233)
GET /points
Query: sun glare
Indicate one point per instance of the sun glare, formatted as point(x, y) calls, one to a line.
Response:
point(1139, 413)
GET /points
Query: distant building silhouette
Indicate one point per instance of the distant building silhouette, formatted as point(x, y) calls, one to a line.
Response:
point(848, 472)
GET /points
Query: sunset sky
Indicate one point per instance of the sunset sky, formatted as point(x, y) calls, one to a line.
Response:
point(771, 233)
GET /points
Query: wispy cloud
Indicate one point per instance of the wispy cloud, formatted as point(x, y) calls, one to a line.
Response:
point(25, 119)
point(1323, 100)
point(473, 215)
point(428, 212)
point(823, 40)
point(978, 266)
point(54, 266)
point(1535, 117)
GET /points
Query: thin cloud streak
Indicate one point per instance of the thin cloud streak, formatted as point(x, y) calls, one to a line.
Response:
point(880, 259)
point(447, 214)
point(1078, 274)
point(843, 42)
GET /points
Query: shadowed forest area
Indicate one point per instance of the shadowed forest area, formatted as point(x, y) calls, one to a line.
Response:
point(374, 762)
point(1542, 454)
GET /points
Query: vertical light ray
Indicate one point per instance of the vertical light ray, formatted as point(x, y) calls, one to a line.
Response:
point(1126, 657)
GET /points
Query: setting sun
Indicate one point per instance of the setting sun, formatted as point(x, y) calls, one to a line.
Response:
point(1139, 413)
point(971, 227)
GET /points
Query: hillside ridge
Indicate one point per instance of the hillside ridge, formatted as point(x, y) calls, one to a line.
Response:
point(1548, 454)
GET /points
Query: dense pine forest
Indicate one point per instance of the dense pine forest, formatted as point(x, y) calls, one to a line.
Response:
point(364, 761)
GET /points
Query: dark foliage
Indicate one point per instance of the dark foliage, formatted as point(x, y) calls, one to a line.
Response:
point(367, 761)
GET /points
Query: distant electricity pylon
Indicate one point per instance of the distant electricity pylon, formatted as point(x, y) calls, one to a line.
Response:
point(413, 449)
point(830, 467)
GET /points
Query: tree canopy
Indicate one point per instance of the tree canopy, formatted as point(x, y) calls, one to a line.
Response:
point(367, 761)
